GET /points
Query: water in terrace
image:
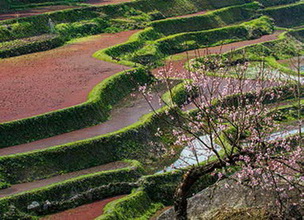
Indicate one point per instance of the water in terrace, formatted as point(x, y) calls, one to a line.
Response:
point(282, 134)
point(193, 154)
point(270, 73)
point(196, 152)
point(293, 63)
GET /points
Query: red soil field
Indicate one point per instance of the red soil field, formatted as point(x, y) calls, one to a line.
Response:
point(125, 113)
point(105, 2)
point(46, 81)
point(120, 119)
point(84, 212)
point(33, 11)
point(44, 9)
point(190, 15)
point(22, 187)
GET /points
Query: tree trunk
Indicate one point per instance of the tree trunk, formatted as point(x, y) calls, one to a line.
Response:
point(189, 179)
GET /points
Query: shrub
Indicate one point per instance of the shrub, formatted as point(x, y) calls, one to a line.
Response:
point(20, 47)
point(148, 46)
point(83, 28)
point(268, 3)
point(136, 205)
point(76, 191)
point(132, 142)
point(248, 30)
point(287, 15)
point(214, 19)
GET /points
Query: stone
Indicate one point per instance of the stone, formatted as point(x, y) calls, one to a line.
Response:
point(33, 205)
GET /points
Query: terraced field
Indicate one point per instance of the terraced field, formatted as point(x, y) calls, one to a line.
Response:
point(77, 137)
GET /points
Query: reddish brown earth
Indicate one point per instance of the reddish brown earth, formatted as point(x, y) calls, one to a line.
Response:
point(46, 81)
point(34, 11)
point(44, 9)
point(84, 212)
point(178, 65)
point(121, 117)
point(125, 113)
point(194, 14)
point(105, 2)
point(18, 188)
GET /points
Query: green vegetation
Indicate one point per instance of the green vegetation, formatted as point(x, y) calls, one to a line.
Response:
point(268, 3)
point(76, 191)
point(131, 142)
point(147, 47)
point(138, 50)
point(137, 205)
point(193, 40)
point(171, 8)
point(213, 19)
point(163, 38)
point(159, 188)
point(290, 112)
point(39, 24)
point(298, 34)
point(286, 46)
point(83, 28)
point(154, 192)
point(71, 23)
point(29, 45)
point(96, 109)
point(288, 15)
point(16, 2)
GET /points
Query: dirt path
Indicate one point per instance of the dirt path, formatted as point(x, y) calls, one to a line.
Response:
point(18, 188)
point(46, 81)
point(127, 112)
point(180, 59)
point(44, 9)
point(84, 212)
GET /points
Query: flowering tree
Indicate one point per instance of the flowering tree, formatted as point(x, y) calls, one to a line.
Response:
point(234, 124)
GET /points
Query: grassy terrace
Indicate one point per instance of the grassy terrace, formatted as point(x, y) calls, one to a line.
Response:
point(163, 38)
point(232, 22)
point(95, 110)
point(288, 45)
point(19, 200)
